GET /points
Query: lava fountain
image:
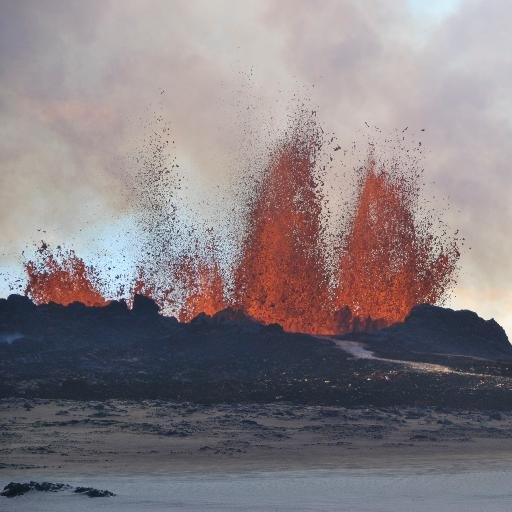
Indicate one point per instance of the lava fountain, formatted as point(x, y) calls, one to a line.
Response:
point(62, 277)
point(203, 283)
point(390, 262)
point(280, 276)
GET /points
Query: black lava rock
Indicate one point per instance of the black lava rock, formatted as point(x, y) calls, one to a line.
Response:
point(14, 489)
point(98, 353)
point(94, 493)
point(435, 330)
point(144, 306)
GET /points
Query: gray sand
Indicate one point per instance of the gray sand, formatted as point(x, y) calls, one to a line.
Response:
point(49, 436)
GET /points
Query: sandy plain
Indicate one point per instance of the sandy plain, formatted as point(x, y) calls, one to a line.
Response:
point(60, 436)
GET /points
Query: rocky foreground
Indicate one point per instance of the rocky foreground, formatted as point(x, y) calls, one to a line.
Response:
point(436, 358)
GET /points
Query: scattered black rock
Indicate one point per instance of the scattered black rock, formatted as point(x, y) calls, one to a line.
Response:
point(14, 489)
point(93, 493)
point(49, 486)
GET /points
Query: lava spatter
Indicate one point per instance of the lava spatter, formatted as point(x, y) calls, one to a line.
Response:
point(390, 262)
point(205, 289)
point(280, 276)
point(62, 277)
point(285, 273)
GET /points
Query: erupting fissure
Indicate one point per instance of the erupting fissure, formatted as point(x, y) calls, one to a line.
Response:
point(389, 261)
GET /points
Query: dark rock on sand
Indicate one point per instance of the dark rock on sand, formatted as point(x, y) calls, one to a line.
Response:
point(14, 489)
point(93, 493)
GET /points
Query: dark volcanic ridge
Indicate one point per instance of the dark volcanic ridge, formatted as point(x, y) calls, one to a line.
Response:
point(91, 353)
point(430, 331)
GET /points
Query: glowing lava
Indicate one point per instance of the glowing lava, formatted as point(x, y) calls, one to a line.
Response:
point(390, 262)
point(204, 288)
point(281, 276)
point(62, 278)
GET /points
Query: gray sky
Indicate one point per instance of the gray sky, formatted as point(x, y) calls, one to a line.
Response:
point(79, 79)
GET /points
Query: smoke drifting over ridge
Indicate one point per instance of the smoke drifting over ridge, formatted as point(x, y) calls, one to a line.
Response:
point(67, 126)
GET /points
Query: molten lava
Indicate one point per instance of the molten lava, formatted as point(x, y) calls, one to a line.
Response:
point(280, 277)
point(390, 263)
point(62, 278)
point(204, 289)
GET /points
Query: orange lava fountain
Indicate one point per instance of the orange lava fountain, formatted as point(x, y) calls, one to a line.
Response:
point(62, 278)
point(390, 263)
point(281, 276)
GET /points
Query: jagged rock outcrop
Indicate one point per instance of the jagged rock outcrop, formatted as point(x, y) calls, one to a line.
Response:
point(435, 330)
point(144, 306)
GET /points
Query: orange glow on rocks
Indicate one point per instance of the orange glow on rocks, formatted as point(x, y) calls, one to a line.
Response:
point(62, 277)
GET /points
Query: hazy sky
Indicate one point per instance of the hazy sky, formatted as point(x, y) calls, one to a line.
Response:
point(78, 80)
